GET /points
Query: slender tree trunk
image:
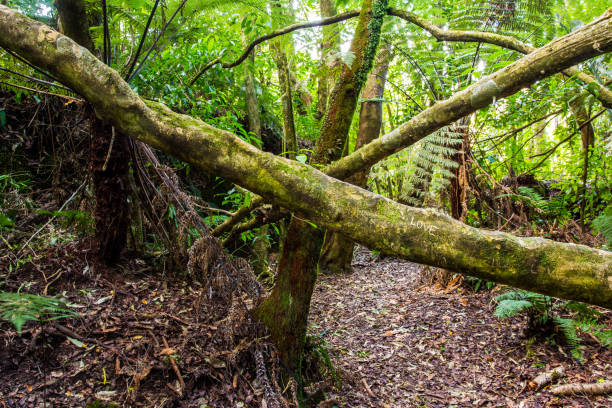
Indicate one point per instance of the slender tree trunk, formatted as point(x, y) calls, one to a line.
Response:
point(289, 136)
point(302, 243)
point(329, 45)
point(109, 155)
point(261, 245)
point(337, 252)
point(587, 134)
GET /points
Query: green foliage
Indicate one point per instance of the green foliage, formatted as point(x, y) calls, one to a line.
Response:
point(543, 312)
point(81, 220)
point(19, 308)
point(420, 170)
point(603, 224)
point(555, 208)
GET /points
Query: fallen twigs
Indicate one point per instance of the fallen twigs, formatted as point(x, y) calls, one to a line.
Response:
point(546, 378)
point(599, 388)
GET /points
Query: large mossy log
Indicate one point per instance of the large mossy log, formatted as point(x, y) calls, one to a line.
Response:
point(563, 270)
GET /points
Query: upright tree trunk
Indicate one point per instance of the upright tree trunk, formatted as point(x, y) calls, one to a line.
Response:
point(289, 135)
point(109, 155)
point(74, 22)
point(329, 45)
point(587, 134)
point(109, 167)
point(285, 311)
point(260, 246)
point(337, 251)
point(459, 183)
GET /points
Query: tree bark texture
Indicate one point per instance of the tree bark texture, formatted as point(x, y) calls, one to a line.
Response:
point(286, 310)
point(329, 45)
point(74, 22)
point(300, 234)
point(343, 98)
point(289, 136)
point(421, 235)
point(109, 168)
point(108, 156)
point(251, 97)
point(337, 252)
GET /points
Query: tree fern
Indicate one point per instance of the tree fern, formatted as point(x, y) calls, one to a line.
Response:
point(412, 171)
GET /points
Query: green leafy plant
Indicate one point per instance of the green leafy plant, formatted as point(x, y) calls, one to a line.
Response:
point(19, 308)
point(540, 309)
point(603, 224)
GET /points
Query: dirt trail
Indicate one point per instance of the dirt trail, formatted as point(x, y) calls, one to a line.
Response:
point(397, 345)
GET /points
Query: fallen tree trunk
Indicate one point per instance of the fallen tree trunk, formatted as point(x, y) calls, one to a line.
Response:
point(421, 235)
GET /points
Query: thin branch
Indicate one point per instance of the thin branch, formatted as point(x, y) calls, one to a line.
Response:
point(34, 67)
point(403, 92)
point(513, 131)
point(70, 98)
point(40, 81)
point(143, 37)
point(141, 65)
point(418, 67)
point(549, 152)
point(599, 91)
point(286, 30)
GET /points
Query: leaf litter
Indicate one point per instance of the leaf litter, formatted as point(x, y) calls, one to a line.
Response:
point(398, 344)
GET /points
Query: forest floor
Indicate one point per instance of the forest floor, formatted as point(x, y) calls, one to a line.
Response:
point(392, 343)
point(398, 344)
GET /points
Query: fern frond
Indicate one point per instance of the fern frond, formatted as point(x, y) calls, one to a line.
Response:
point(603, 224)
point(19, 308)
point(568, 328)
point(510, 308)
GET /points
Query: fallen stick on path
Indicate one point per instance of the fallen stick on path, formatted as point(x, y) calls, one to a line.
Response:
point(599, 388)
point(546, 378)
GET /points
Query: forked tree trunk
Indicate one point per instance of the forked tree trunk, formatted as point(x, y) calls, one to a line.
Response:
point(337, 251)
point(285, 311)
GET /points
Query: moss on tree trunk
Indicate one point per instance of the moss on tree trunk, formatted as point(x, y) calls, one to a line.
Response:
point(302, 244)
point(337, 253)
point(285, 311)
